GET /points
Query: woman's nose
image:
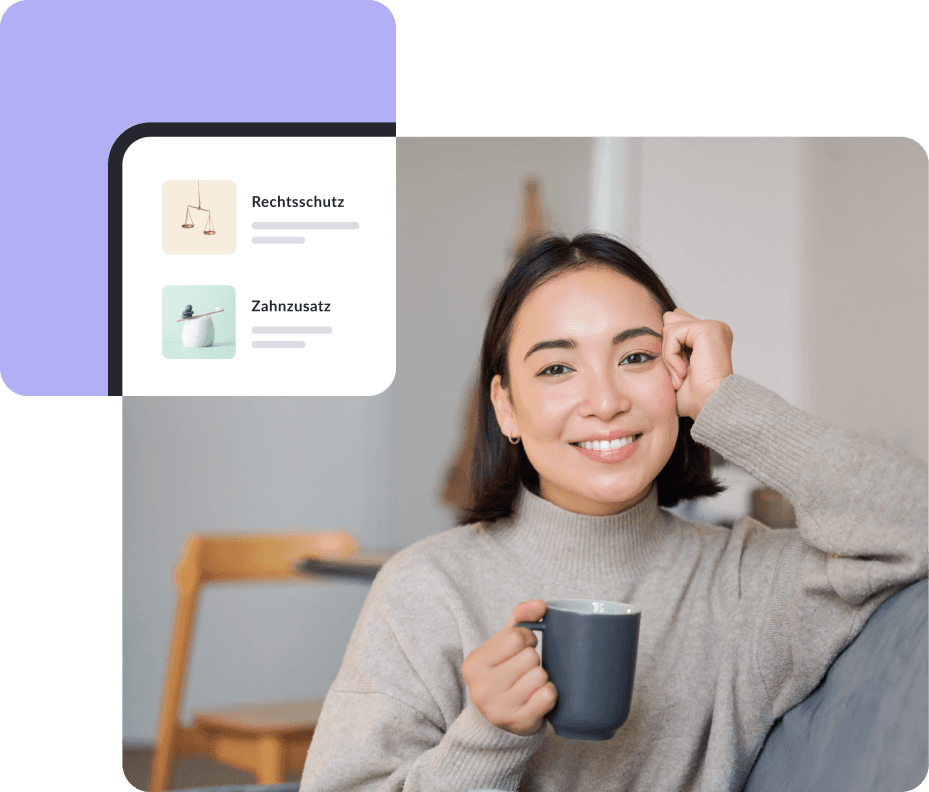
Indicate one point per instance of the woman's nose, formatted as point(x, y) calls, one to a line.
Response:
point(605, 397)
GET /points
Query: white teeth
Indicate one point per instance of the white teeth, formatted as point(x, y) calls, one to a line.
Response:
point(607, 445)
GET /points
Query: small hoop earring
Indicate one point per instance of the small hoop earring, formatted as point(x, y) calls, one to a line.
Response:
point(514, 442)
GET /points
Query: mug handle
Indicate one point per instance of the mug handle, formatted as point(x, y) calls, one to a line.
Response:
point(539, 625)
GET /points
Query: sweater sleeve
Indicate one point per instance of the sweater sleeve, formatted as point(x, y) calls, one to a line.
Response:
point(398, 716)
point(861, 507)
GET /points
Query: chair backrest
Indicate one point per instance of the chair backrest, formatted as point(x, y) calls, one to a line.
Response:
point(208, 559)
point(230, 558)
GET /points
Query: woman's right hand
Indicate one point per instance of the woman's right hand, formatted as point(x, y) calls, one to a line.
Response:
point(505, 679)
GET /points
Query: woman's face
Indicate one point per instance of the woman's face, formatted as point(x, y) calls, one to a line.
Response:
point(585, 368)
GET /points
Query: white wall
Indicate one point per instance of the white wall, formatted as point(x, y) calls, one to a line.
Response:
point(814, 251)
point(866, 339)
point(718, 220)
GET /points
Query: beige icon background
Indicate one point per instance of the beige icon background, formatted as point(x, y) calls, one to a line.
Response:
point(216, 195)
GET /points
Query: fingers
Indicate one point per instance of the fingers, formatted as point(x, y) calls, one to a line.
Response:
point(679, 315)
point(509, 685)
point(511, 671)
point(528, 699)
point(514, 695)
point(698, 355)
point(504, 675)
point(522, 719)
point(525, 686)
point(527, 611)
point(540, 701)
point(510, 641)
point(677, 326)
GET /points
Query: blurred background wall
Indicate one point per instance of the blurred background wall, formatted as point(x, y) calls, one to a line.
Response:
point(813, 251)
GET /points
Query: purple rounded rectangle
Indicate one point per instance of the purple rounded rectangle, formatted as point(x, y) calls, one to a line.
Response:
point(75, 76)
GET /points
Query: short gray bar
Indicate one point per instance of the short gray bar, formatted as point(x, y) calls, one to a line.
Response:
point(278, 240)
point(305, 226)
point(279, 344)
point(292, 330)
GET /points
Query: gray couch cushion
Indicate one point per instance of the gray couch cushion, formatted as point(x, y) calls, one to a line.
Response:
point(865, 727)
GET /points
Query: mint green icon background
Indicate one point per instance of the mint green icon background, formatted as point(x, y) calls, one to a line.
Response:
point(203, 299)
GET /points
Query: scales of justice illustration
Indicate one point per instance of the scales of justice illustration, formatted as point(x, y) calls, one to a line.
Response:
point(208, 229)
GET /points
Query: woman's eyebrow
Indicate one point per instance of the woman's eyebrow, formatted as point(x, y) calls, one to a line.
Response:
point(558, 343)
point(567, 343)
point(635, 332)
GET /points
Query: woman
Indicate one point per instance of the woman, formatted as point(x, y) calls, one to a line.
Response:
point(602, 399)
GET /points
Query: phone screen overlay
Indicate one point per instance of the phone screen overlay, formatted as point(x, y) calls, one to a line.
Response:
point(254, 264)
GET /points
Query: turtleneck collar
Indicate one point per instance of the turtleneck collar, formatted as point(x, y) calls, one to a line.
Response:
point(566, 547)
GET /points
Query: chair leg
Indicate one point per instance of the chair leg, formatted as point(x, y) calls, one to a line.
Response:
point(270, 761)
point(162, 759)
point(168, 737)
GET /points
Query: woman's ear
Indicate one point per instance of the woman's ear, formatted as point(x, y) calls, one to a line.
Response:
point(503, 408)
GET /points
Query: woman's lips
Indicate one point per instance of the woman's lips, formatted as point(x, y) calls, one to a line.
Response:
point(619, 455)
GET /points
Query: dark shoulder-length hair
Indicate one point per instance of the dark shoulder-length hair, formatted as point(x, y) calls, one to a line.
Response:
point(499, 467)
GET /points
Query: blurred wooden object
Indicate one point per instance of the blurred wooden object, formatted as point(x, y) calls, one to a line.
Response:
point(265, 739)
point(532, 221)
point(772, 509)
point(457, 490)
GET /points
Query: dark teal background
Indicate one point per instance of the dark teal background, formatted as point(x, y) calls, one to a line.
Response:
point(477, 68)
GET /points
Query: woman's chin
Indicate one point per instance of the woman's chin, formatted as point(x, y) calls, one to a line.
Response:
point(617, 502)
point(595, 500)
point(620, 494)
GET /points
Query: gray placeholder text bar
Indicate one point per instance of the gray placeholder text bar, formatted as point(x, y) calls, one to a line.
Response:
point(279, 344)
point(285, 226)
point(292, 330)
point(278, 240)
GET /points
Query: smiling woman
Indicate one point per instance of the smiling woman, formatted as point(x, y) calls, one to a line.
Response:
point(586, 388)
point(599, 403)
point(582, 387)
point(572, 355)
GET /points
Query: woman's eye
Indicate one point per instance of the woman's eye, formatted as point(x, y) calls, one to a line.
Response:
point(636, 358)
point(555, 370)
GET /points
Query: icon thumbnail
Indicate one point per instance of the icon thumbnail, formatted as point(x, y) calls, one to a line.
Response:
point(198, 217)
point(198, 322)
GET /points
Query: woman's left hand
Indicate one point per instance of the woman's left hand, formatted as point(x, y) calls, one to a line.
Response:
point(708, 345)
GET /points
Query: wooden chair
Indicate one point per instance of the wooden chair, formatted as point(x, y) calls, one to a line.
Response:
point(267, 740)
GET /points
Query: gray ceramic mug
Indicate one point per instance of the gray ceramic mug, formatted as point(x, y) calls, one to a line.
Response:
point(589, 652)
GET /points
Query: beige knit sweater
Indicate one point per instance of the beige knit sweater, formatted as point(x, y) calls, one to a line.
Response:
point(738, 625)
